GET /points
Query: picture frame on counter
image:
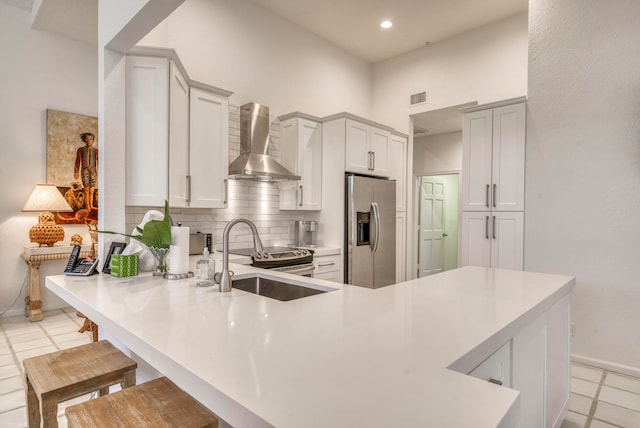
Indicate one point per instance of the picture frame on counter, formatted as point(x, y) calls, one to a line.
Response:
point(115, 248)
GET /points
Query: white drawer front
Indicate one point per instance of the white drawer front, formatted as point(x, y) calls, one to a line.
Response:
point(328, 276)
point(326, 264)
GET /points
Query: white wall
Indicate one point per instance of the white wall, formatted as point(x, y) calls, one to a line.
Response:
point(484, 65)
point(583, 166)
point(437, 153)
point(39, 71)
point(239, 46)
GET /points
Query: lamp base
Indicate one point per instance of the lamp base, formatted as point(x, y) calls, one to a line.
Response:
point(46, 232)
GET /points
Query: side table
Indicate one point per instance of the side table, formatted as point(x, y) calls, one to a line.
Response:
point(34, 256)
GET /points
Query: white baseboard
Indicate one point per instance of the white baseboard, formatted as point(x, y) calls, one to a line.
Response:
point(13, 312)
point(606, 365)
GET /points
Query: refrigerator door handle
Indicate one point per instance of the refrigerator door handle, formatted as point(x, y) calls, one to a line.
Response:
point(376, 219)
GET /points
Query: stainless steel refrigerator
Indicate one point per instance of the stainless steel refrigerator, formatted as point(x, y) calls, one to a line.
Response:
point(370, 231)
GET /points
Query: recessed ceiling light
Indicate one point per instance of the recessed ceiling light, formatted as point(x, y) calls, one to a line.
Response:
point(386, 24)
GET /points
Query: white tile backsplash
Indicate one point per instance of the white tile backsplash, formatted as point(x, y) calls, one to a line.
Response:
point(257, 201)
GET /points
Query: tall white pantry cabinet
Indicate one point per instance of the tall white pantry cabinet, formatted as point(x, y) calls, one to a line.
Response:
point(493, 161)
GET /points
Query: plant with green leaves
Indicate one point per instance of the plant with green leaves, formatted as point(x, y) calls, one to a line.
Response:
point(155, 233)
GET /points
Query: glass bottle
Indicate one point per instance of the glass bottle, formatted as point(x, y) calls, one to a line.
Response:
point(205, 270)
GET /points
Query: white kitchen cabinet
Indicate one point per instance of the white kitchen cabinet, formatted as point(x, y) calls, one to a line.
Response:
point(535, 361)
point(301, 150)
point(493, 159)
point(327, 267)
point(177, 136)
point(367, 149)
point(541, 367)
point(497, 367)
point(493, 239)
point(208, 149)
point(146, 132)
point(398, 169)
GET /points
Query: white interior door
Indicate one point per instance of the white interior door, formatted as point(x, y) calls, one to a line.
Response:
point(431, 238)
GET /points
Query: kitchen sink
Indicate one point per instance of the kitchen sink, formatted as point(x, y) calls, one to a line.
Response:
point(275, 289)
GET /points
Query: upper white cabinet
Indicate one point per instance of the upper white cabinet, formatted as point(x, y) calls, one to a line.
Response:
point(367, 149)
point(146, 155)
point(493, 156)
point(177, 136)
point(302, 154)
point(208, 149)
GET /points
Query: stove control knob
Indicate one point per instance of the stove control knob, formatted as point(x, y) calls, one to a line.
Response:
point(258, 256)
point(304, 252)
point(266, 255)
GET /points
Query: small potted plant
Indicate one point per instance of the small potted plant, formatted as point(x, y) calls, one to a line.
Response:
point(156, 236)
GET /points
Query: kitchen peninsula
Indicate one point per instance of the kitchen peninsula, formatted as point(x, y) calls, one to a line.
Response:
point(396, 356)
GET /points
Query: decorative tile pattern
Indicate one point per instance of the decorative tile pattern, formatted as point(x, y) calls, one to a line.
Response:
point(20, 339)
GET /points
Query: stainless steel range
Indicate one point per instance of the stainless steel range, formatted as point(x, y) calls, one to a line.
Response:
point(282, 259)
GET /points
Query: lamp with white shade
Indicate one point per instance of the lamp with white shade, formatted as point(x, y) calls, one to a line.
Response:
point(47, 199)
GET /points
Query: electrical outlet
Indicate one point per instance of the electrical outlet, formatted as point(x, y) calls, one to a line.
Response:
point(573, 330)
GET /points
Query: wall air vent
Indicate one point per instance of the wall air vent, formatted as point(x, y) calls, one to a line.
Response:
point(419, 98)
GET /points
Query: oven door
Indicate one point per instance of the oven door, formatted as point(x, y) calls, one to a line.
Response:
point(302, 270)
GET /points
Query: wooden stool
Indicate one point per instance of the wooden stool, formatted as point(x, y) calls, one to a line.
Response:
point(158, 403)
point(63, 375)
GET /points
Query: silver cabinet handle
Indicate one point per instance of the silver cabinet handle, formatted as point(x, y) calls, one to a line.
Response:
point(494, 227)
point(301, 196)
point(486, 197)
point(486, 227)
point(226, 191)
point(373, 164)
point(494, 195)
point(188, 188)
point(370, 161)
point(326, 264)
point(496, 381)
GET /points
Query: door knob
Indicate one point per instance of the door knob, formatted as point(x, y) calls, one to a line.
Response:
point(444, 235)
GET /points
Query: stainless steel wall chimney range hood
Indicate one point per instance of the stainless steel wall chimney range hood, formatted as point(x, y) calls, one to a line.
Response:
point(254, 161)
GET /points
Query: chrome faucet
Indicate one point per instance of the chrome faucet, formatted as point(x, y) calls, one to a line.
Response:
point(224, 277)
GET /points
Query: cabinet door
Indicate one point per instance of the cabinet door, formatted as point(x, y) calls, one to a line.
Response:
point(559, 360)
point(208, 149)
point(476, 245)
point(178, 138)
point(398, 169)
point(507, 192)
point(357, 152)
point(310, 164)
point(529, 372)
point(477, 130)
point(301, 152)
point(147, 104)
point(497, 367)
point(289, 158)
point(379, 146)
point(507, 240)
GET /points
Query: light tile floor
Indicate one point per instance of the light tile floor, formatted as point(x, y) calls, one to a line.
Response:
point(599, 398)
point(20, 339)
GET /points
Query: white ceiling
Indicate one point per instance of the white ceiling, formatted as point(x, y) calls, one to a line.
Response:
point(352, 25)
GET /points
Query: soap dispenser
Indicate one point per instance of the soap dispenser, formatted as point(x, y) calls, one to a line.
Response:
point(205, 270)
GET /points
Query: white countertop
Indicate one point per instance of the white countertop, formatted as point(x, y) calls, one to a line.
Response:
point(351, 357)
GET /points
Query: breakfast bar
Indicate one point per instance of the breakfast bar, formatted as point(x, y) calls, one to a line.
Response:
point(410, 354)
